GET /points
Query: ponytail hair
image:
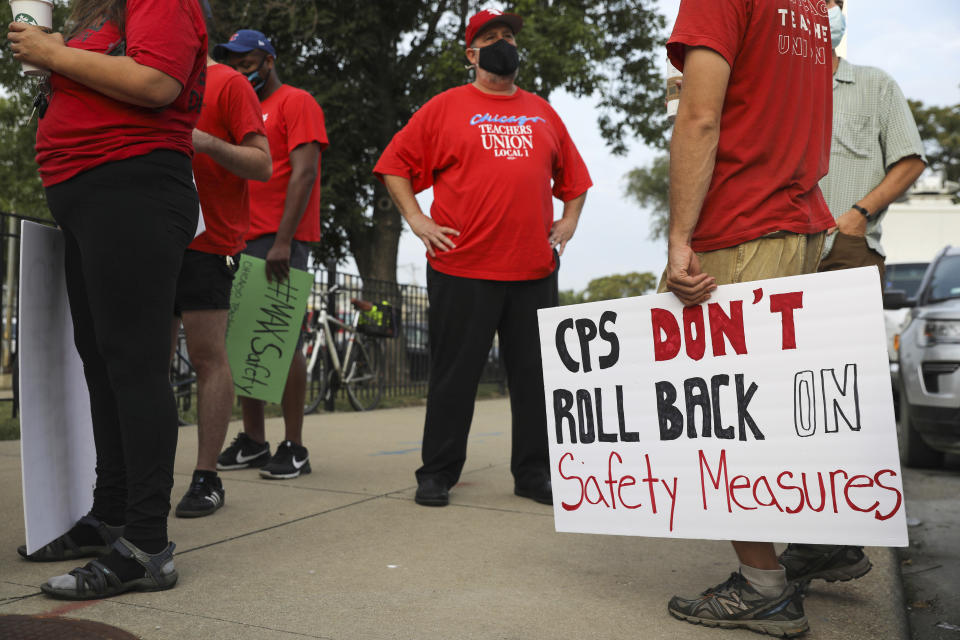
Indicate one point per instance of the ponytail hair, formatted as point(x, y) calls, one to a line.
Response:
point(88, 14)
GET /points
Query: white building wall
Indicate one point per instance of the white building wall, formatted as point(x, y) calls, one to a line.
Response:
point(914, 230)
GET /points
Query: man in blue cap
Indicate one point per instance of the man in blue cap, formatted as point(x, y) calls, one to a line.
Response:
point(284, 215)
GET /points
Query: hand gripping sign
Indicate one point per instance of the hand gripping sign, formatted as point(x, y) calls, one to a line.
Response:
point(764, 414)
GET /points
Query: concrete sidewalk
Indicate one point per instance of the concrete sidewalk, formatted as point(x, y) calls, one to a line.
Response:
point(345, 553)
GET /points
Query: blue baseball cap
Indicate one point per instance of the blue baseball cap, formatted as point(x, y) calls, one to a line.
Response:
point(243, 41)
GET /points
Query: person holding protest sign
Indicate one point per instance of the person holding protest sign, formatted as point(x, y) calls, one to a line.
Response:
point(870, 167)
point(231, 147)
point(114, 148)
point(494, 154)
point(284, 215)
point(742, 211)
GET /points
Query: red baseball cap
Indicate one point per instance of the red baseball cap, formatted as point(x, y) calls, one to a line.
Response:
point(488, 16)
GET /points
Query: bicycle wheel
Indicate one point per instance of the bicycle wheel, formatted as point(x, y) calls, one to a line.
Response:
point(182, 378)
point(364, 375)
point(317, 382)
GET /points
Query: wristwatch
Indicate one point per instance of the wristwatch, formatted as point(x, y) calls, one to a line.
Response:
point(866, 214)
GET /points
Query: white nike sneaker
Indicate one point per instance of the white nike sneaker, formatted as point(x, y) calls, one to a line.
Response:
point(289, 461)
point(243, 452)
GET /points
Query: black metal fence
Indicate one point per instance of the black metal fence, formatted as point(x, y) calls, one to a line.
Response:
point(406, 356)
point(10, 300)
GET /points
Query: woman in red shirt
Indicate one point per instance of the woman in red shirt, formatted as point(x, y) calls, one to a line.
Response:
point(114, 148)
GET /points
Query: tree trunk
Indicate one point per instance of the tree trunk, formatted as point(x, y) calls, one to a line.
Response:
point(375, 252)
point(375, 248)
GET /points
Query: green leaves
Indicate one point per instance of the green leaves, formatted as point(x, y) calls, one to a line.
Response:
point(20, 188)
point(612, 287)
point(940, 131)
point(649, 187)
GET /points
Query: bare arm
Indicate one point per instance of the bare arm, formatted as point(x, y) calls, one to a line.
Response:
point(250, 159)
point(430, 233)
point(901, 175)
point(693, 153)
point(303, 175)
point(564, 228)
point(118, 77)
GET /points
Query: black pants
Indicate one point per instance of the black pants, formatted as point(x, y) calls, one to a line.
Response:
point(464, 314)
point(126, 226)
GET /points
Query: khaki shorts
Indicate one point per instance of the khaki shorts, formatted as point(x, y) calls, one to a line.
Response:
point(773, 256)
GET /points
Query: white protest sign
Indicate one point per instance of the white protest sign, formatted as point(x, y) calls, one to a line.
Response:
point(56, 433)
point(765, 414)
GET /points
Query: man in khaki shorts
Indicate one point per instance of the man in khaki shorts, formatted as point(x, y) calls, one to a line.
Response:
point(750, 142)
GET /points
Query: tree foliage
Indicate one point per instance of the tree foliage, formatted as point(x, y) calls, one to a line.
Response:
point(940, 131)
point(611, 288)
point(649, 187)
point(20, 188)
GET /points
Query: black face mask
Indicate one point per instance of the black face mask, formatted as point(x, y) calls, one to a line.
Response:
point(500, 58)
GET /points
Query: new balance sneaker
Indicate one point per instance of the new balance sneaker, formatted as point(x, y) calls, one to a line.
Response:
point(243, 452)
point(204, 496)
point(735, 603)
point(806, 562)
point(289, 461)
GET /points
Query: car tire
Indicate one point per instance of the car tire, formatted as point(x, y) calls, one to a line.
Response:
point(914, 452)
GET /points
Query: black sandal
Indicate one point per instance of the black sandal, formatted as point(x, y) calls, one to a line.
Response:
point(64, 548)
point(96, 580)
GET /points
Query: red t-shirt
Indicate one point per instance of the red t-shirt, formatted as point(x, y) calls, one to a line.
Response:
point(231, 111)
point(494, 162)
point(292, 118)
point(83, 128)
point(775, 126)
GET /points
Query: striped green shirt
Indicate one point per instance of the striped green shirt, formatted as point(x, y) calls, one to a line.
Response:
point(872, 130)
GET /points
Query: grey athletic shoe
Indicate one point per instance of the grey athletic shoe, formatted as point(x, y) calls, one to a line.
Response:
point(735, 603)
point(830, 562)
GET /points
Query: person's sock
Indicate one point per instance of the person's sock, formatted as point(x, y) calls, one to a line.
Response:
point(85, 535)
point(768, 582)
point(206, 475)
point(151, 546)
point(126, 568)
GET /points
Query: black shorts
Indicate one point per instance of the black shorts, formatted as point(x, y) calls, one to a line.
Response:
point(204, 283)
point(259, 246)
point(299, 253)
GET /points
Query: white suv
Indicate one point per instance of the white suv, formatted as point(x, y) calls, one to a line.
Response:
point(928, 346)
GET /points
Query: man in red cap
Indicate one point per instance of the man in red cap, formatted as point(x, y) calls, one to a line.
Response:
point(495, 156)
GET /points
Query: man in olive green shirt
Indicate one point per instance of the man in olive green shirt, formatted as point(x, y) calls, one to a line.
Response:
point(876, 154)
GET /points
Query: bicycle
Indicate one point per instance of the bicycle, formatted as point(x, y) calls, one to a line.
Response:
point(182, 377)
point(356, 359)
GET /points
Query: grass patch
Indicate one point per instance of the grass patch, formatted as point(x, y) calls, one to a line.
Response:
point(9, 428)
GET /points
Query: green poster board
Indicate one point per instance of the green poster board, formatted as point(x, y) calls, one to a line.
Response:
point(263, 328)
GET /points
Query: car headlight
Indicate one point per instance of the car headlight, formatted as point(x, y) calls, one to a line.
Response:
point(939, 332)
